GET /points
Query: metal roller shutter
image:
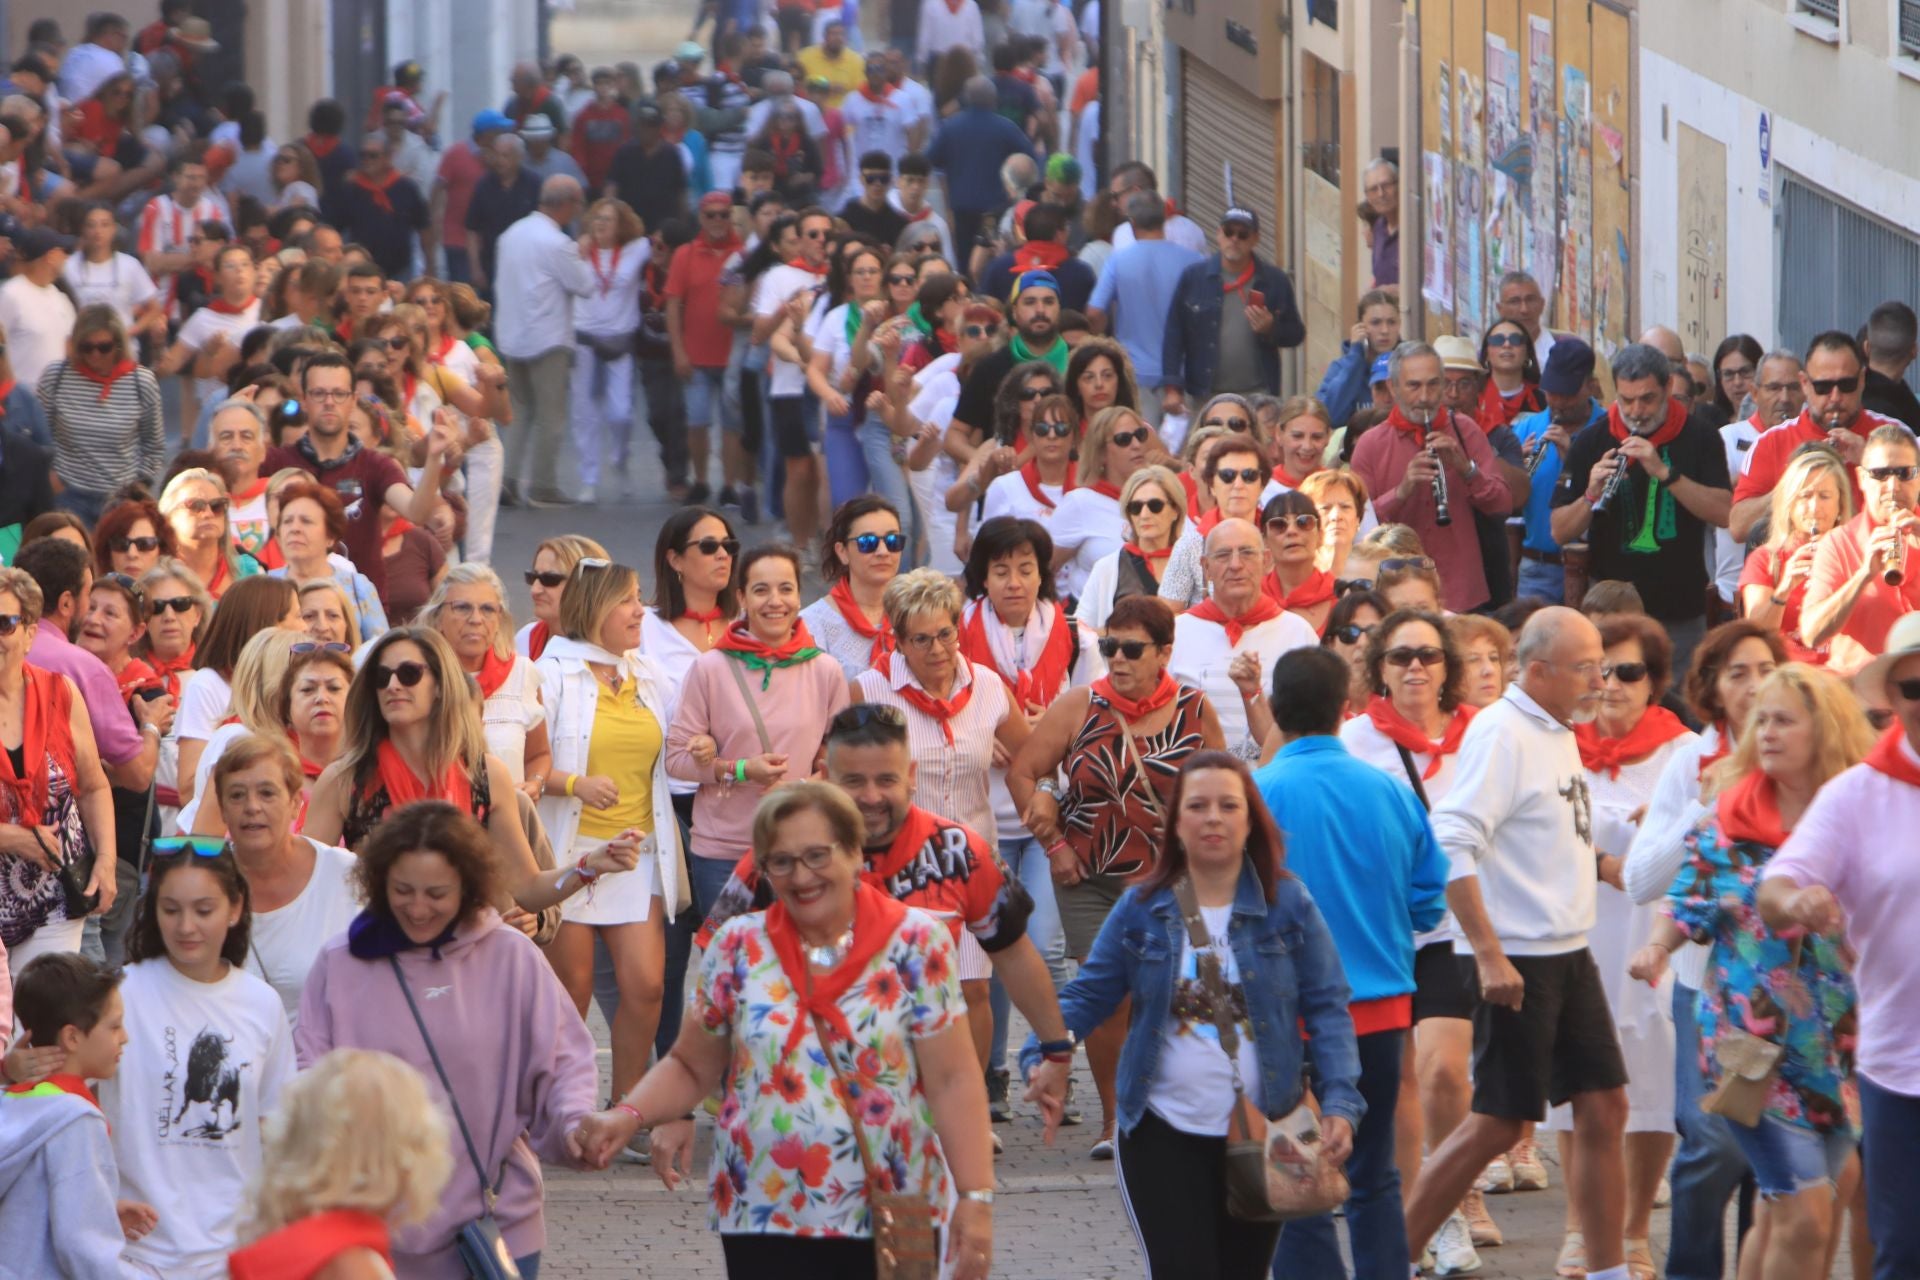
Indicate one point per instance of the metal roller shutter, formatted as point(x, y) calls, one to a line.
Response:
point(1221, 124)
point(1837, 264)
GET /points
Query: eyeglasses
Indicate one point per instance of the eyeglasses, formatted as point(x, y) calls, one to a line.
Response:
point(1909, 689)
point(1237, 232)
point(179, 604)
point(319, 646)
point(1352, 633)
point(1133, 649)
point(1240, 475)
point(945, 637)
point(1426, 655)
point(181, 846)
point(1228, 555)
point(330, 393)
point(1126, 438)
point(868, 543)
point(97, 348)
point(1625, 672)
point(201, 506)
point(1418, 563)
point(1154, 505)
point(134, 544)
point(1302, 520)
point(713, 546)
point(1231, 424)
point(981, 331)
point(399, 342)
point(1054, 430)
point(410, 674)
point(1734, 372)
point(781, 866)
point(853, 718)
point(1506, 340)
point(818, 233)
point(903, 278)
point(1902, 474)
point(468, 609)
point(1827, 386)
point(10, 623)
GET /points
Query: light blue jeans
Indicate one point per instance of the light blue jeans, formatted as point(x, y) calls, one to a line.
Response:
point(1543, 581)
point(887, 478)
point(1026, 862)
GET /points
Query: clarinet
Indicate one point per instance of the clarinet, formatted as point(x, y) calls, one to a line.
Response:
point(1614, 482)
point(1442, 516)
point(1895, 571)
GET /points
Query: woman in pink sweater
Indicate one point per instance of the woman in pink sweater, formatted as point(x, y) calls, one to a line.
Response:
point(429, 957)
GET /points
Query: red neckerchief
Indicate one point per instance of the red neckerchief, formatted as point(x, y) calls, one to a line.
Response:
point(1038, 687)
point(722, 249)
point(1723, 743)
point(135, 675)
point(1404, 732)
point(877, 99)
point(344, 330)
point(875, 918)
point(1209, 521)
point(107, 379)
point(1039, 255)
point(1317, 589)
point(1030, 472)
point(302, 1249)
point(252, 491)
point(1889, 759)
point(1657, 727)
point(953, 7)
point(1173, 210)
point(46, 734)
point(1498, 410)
point(1401, 422)
point(537, 640)
point(807, 267)
point(1026, 75)
point(784, 148)
point(922, 216)
point(1130, 709)
point(1105, 488)
point(1135, 548)
point(1240, 281)
point(738, 639)
point(1676, 419)
point(941, 709)
point(220, 306)
point(613, 269)
point(706, 619)
point(1263, 609)
point(1192, 487)
point(409, 385)
point(493, 673)
point(1285, 478)
point(531, 104)
point(439, 354)
point(321, 145)
point(403, 786)
point(881, 632)
point(6, 389)
point(1749, 810)
point(378, 190)
point(399, 526)
point(169, 669)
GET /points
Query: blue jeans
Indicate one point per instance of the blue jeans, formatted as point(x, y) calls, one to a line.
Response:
point(1788, 1159)
point(846, 463)
point(1546, 581)
point(1026, 862)
point(1709, 1164)
point(529, 1266)
point(1376, 1227)
point(1890, 1128)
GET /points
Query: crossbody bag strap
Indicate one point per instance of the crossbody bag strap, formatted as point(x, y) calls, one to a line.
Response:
point(1413, 776)
point(1207, 963)
point(1152, 798)
point(867, 1162)
point(759, 725)
point(492, 1193)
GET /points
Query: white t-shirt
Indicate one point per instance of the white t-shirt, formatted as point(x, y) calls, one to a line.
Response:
point(247, 520)
point(1090, 525)
point(204, 1062)
point(204, 703)
point(1096, 593)
point(1202, 658)
point(121, 282)
point(286, 941)
point(613, 308)
point(38, 322)
point(203, 770)
point(1009, 495)
point(1725, 557)
point(198, 331)
point(1193, 1088)
point(769, 296)
point(674, 654)
point(880, 126)
point(511, 714)
point(1364, 741)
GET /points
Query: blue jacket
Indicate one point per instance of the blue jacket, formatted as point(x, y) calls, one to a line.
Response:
point(21, 412)
point(1345, 387)
point(1378, 882)
point(1546, 477)
point(1290, 973)
point(1192, 350)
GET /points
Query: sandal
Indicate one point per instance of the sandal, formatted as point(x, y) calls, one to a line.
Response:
point(1640, 1261)
point(1572, 1262)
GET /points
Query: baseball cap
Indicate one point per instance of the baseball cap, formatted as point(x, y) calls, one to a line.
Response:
point(492, 121)
point(1457, 353)
point(1380, 370)
point(1569, 366)
point(537, 126)
point(1245, 216)
point(691, 52)
point(38, 242)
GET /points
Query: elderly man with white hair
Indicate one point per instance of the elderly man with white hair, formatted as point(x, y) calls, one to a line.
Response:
point(540, 273)
point(1226, 645)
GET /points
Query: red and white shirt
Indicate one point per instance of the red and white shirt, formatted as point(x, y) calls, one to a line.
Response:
point(166, 226)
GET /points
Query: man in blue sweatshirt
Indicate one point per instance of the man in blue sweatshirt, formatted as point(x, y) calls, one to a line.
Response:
point(1360, 842)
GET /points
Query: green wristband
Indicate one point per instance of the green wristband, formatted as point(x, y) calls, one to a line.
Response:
point(740, 769)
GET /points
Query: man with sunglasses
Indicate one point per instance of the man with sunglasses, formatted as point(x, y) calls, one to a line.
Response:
point(870, 213)
point(1833, 376)
point(1231, 315)
point(1850, 603)
point(210, 338)
point(380, 207)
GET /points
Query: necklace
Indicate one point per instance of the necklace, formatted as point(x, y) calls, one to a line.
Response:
point(830, 955)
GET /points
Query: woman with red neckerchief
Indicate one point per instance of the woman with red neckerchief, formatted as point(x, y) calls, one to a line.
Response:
point(1154, 509)
point(1119, 744)
point(553, 560)
point(1624, 750)
point(1814, 497)
point(861, 554)
point(1233, 474)
point(1291, 523)
point(1513, 376)
point(605, 322)
point(1010, 448)
point(1087, 523)
point(1032, 490)
point(469, 608)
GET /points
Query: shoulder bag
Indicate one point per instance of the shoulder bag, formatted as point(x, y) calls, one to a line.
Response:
point(483, 1251)
point(1274, 1170)
point(1413, 776)
point(1748, 1064)
point(905, 1241)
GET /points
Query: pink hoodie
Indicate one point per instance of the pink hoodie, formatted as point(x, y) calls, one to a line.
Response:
point(521, 1061)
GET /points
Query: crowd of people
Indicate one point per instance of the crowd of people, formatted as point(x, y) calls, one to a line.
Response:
point(1460, 755)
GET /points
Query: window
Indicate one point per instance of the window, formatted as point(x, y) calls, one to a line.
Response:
point(1837, 263)
point(1907, 36)
point(1825, 10)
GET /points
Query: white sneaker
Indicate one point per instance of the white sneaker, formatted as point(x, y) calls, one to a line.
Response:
point(1453, 1251)
point(1529, 1172)
point(1496, 1178)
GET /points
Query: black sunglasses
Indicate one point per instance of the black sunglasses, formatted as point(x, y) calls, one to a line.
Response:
point(1231, 424)
point(1055, 430)
point(10, 623)
point(981, 331)
point(410, 673)
point(1827, 386)
point(1133, 649)
point(868, 543)
point(1237, 231)
point(1347, 586)
point(708, 546)
point(399, 343)
point(861, 714)
point(1155, 505)
point(1352, 633)
point(1242, 475)
point(1125, 438)
point(134, 544)
point(1426, 655)
point(179, 604)
point(548, 579)
point(1034, 393)
point(876, 178)
point(96, 348)
point(1625, 672)
point(1901, 474)
point(905, 277)
point(200, 506)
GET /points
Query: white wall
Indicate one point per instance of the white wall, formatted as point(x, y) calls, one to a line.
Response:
point(468, 48)
point(1672, 95)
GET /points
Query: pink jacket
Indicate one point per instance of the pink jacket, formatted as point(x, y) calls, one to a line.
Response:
point(1381, 460)
point(521, 1062)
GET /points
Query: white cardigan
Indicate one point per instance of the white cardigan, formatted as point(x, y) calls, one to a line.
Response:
point(571, 691)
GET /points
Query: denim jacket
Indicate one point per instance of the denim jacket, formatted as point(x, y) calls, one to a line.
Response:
point(1190, 353)
point(1345, 387)
point(1291, 975)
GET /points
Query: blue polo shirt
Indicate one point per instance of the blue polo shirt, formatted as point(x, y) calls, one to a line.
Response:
point(1539, 509)
point(969, 149)
point(1360, 842)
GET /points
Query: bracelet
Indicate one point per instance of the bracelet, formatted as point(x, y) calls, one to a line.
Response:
point(1778, 601)
point(631, 1110)
point(585, 873)
point(982, 1196)
point(1058, 845)
point(568, 789)
point(740, 769)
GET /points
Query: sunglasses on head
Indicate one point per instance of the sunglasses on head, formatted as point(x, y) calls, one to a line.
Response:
point(199, 506)
point(319, 646)
point(861, 714)
point(1506, 340)
point(10, 623)
point(1426, 655)
point(1133, 649)
point(1352, 633)
point(179, 604)
point(1405, 562)
point(106, 348)
point(547, 579)
point(868, 543)
point(410, 674)
point(1298, 520)
point(1154, 505)
point(183, 846)
point(1231, 424)
point(134, 544)
point(712, 546)
point(1126, 438)
point(1908, 689)
point(1902, 474)
point(1239, 475)
point(1052, 430)
point(1827, 386)
point(1625, 672)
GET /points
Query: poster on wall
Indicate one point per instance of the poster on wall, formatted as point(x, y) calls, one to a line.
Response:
point(1576, 160)
point(1543, 214)
point(1437, 286)
point(1510, 164)
point(1469, 209)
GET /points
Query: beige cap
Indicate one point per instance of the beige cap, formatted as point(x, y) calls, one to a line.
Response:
point(1903, 641)
point(1457, 353)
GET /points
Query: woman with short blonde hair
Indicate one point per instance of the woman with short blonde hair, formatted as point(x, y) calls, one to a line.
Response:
point(1345, 510)
point(1153, 509)
point(1814, 497)
point(196, 505)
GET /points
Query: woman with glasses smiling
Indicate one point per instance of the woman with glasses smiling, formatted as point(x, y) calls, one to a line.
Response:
point(862, 552)
point(1154, 507)
point(469, 608)
point(1233, 475)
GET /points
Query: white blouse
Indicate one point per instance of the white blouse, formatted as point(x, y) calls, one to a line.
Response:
point(1089, 525)
point(952, 779)
point(513, 712)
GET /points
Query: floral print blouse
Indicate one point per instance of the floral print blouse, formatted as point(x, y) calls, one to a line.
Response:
point(1756, 982)
point(785, 1161)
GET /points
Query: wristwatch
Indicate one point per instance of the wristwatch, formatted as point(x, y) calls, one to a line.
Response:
point(1049, 786)
point(978, 1197)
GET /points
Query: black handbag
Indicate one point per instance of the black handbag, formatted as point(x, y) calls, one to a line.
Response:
point(483, 1251)
point(73, 879)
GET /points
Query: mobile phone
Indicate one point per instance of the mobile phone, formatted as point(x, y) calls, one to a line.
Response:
point(1255, 298)
point(151, 694)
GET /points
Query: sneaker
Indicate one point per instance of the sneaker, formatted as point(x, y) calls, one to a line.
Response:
point(698, 494)
point(510, 495)
point(1453, 1251)
point(1529, 1172)
point(1070, 1114)
point(997, 1087)
point(1481, 1227)
point(1496, 1178)
point(749, 505)
point(999, 1147)
point(729, 500)
point(639, 1149)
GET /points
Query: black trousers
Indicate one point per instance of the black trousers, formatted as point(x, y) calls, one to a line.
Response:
point(666, 415)
point(1175, 1188)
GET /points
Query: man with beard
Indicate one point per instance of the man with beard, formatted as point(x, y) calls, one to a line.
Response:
point(1573, 404)
point(1036, 336)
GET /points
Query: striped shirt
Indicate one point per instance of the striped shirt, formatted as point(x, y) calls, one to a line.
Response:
point(954, 779)
point(100, 444)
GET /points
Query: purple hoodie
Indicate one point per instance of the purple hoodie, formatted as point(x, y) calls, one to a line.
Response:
point(520, 1059)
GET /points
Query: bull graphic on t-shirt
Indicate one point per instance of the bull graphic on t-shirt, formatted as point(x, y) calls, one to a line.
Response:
point(214, 1083)
point(1576, 794)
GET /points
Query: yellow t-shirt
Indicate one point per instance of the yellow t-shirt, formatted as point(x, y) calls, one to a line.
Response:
point(846, 73)
point(626, 741)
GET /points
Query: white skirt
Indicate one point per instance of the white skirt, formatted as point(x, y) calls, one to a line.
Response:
point(619, 897)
